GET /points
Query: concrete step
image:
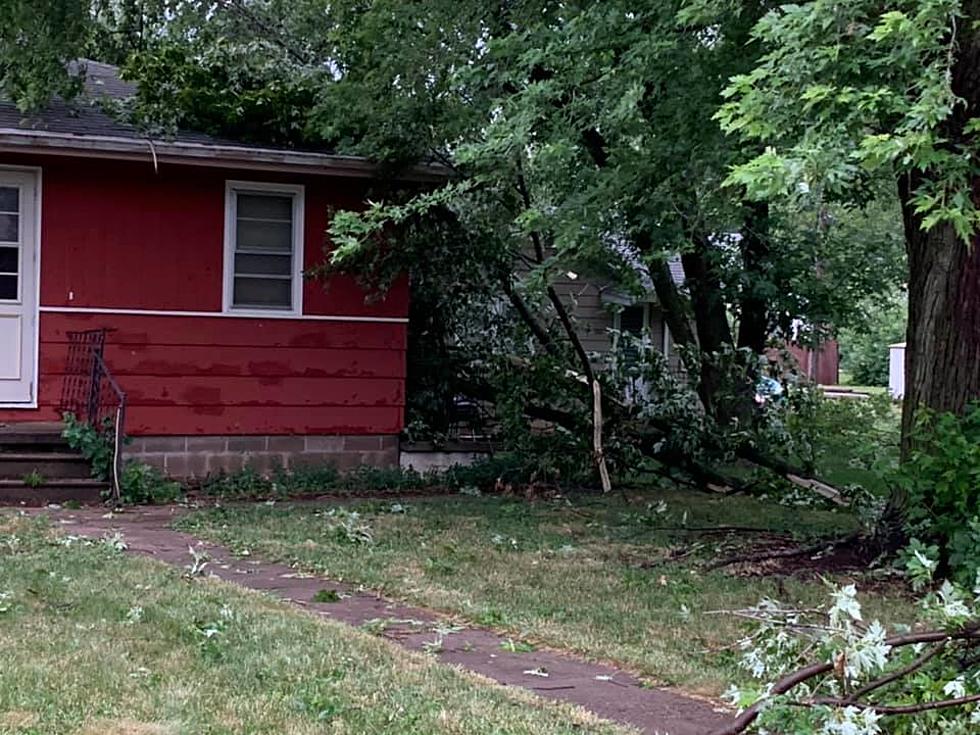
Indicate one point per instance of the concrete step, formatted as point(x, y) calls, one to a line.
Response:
point(41, 441)
point(84, 491)
point(16, 465)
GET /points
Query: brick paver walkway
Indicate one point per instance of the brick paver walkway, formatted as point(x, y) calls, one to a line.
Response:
point(608, 692)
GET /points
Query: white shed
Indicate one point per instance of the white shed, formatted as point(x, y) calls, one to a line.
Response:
point(896, 370)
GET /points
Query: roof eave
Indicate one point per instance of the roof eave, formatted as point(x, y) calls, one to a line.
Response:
point(13, 140)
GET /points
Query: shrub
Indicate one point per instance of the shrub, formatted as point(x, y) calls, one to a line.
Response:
point(824, 430)
point(246, 483)
point(508, 468)
point(143, 484)
point(139, 483)
point(311, 480)
point(95, 444)
point(384, 479)
point(305, 479)
point(942, 479)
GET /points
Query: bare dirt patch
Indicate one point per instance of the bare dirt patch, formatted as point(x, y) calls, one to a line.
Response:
point(17, 719)
point(125, 727)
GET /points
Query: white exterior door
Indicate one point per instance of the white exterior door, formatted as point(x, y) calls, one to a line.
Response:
point(19, 246)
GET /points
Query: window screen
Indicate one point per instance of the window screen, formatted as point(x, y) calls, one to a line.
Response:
point(263, 251)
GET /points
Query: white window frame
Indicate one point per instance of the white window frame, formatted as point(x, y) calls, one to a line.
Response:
point(298, 193)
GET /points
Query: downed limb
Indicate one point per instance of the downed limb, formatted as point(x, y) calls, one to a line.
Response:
point(896, 675)
point(589, 410)
point(757, 556)
point(857, 660)
point(829, 492)
point(600, 456)
point(807, 673)
point(906, 709)
point(648, 435)
point(793, 474)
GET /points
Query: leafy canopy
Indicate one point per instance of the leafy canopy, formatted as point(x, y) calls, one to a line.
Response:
point(37, 39)
point(844, 91)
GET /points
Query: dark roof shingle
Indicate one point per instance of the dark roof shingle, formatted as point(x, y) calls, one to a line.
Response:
point(86, 116)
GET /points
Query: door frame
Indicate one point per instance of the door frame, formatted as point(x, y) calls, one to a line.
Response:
point(36, 316)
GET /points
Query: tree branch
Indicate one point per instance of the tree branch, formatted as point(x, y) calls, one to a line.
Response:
point(784, 553)
point(753, 318)
point(563, 316)
point(572, 334)
point(897, 674)
point(904, 709)
point(742, 722)
point(540, 333)
point(266, 28)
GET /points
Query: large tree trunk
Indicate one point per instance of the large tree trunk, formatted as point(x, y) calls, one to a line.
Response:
point(753, 318)
point(674, 306)
point(711, 318)
point(713, 329)
point(942, 349)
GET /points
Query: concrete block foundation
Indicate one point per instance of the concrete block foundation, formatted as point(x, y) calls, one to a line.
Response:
point(183, 457)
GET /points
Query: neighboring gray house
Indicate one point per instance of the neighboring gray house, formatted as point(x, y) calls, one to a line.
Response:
point(600, 310)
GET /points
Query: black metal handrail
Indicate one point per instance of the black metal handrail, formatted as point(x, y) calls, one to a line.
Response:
point(91, 393)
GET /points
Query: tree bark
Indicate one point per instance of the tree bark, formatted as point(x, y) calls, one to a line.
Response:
point(711, 320)
point(942, 349)
point(753, 318)
point(707, 301)
point(674, 306)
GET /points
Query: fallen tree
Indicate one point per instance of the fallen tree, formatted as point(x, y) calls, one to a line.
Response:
point(572, 138)
point(827, 670)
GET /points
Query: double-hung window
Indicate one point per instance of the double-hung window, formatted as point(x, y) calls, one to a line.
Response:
point(263, 247)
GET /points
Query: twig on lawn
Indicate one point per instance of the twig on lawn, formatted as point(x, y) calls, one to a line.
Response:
point(670, 558)
point(758, 618)
point(710, 531)
point(719, 529)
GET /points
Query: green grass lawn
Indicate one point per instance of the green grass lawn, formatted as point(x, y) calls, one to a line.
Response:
point(591, 576)
point(94, 642)
point(857, 441)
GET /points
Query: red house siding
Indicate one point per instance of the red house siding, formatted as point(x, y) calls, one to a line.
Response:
point(120, 236)
point(821, 365)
